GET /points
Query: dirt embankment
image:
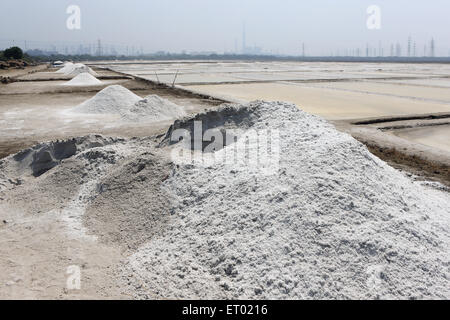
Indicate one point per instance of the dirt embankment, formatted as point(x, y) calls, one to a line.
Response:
point(423, 162)
point(11, 70)
point(434, 170)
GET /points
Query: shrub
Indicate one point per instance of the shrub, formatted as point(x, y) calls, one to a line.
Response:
point(13, 53)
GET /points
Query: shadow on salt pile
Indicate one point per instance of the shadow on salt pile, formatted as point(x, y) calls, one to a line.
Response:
point(212, 126)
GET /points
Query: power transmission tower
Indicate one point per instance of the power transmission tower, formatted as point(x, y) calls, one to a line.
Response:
point(398, 50)
point(99, 47)
point(432, 48)
point(409, 46)
point(244, 44)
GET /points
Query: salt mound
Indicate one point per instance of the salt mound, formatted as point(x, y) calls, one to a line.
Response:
point(332, 222)
point(75, 69)
point(112, 99)
point(68, 66)
point(83, 79)
point(78, 69)
point(42, 157)
point(153, 108)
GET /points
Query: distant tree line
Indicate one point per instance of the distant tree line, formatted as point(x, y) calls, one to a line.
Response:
point(42, 56)
point(238, 57)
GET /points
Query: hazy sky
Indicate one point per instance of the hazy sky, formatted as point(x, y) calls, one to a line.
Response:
point(213, 25)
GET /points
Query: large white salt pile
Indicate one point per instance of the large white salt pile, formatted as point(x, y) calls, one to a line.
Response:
point(112, 99)
point(153, 108)
point(83, 79)
point(332, 222)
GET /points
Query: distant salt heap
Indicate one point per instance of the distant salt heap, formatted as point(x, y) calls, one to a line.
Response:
point(79, 68)
point(112, 99)
point(71, 69)
point(68, 66)
point(153, 108)
point(83, 79)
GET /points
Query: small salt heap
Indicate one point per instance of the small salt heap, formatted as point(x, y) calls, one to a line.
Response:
point(83, 79)
point(153, 108)
point(112, 99)
point(67, 68)
point(79, 68)
point(71, 69)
